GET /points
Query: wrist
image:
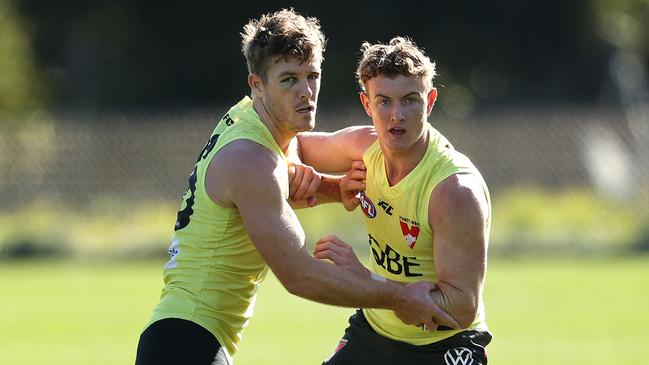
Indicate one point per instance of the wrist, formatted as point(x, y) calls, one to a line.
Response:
point(330, 187)
point(397, 296)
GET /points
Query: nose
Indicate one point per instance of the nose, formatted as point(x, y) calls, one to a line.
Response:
point(305, 90)
point(398, 114)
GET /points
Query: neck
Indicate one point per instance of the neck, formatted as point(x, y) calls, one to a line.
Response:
point(282, 137)
point(400, 163)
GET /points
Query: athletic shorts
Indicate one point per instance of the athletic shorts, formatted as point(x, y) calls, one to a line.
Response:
point(176, 341)
point(362, 345)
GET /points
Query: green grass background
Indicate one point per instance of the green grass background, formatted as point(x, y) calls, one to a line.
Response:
point(542, 311)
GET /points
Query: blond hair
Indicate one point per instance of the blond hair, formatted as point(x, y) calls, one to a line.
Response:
point(400, 56)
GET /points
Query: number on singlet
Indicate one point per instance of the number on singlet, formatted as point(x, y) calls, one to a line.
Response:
point(182, 219)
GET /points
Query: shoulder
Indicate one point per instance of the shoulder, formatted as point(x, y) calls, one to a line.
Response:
point(459, 197)
point(242, 167)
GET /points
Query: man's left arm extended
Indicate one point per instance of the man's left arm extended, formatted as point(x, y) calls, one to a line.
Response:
point(459, 215)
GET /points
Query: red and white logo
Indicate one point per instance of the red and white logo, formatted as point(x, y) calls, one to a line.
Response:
point(366, 205)
point(410, 233)
point(341, 344)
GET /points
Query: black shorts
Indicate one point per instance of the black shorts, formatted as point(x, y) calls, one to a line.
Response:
point(362, 345)
point(176, 341)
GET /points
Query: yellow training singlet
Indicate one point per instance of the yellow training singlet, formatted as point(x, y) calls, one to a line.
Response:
point(400, 237)
point(215, 270)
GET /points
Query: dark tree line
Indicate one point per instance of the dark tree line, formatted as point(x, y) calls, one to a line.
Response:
point(154, 54)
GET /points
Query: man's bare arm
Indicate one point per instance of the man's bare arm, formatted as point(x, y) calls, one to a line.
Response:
point(458, 214)
point(256, 188)
point(335, 152)
point(327, 153)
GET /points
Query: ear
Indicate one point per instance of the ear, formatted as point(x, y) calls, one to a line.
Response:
point(256, 84)
point(365, 101)
point(432, 97)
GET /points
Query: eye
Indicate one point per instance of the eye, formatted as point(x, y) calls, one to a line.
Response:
point(314, 76)
point(290, 79)
point(384, 101)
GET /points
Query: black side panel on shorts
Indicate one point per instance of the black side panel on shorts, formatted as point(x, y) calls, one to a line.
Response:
point(176, 341)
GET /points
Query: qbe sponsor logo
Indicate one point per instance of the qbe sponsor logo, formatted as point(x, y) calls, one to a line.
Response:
point(458, 356)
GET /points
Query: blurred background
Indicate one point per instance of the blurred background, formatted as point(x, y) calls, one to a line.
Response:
point(104, 106)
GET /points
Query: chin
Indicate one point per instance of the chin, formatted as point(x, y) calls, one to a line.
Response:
point(307, 124)
point(307, 128)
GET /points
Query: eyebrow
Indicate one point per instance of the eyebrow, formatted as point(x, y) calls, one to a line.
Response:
point(287, 73)
point(405, 96)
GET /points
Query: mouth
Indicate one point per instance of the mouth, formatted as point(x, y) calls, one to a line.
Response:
point(396, 131)
point(305, 109)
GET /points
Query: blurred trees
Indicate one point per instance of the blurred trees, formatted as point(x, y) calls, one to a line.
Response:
point(20, 85)
point(146, 54)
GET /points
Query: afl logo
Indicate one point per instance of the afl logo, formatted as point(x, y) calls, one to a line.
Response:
point(367, 205)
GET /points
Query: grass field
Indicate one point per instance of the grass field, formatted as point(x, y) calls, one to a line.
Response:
point(542, 311)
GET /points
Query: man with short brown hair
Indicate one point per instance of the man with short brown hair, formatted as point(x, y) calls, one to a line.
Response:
point(426, 209)
point(235, 220)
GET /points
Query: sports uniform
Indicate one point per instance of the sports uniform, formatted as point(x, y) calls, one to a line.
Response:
point(401, 243)
point(214, 270)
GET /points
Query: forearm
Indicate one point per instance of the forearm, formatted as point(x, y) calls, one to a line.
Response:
point(461, 304)
point(325, 283)
point(329, 189)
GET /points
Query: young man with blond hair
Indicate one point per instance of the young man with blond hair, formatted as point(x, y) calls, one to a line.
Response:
point(235, 220)
point(426, 209)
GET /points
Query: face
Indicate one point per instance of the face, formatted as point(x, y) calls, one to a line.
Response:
point(399, 108)
point(289, 94)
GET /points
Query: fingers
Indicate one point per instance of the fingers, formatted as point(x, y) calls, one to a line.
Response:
point(310, 193)
point(332, 237)
point(358, 165)
point(295, 174)
point(429, 325)
point(302, 186)
point(352, 186)
point(348, 190)
point(445, 319)
point(336, 246)
point(330, 243)
point(356, 174)
point(327, 255)
point(291, 171)
point(341, 254)
point(304, 182)
point(422, 311)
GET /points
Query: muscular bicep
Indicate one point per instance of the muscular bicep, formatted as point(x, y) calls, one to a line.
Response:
point(257, 188)
point(458, 214)
point(274, 230)
point(334, 152)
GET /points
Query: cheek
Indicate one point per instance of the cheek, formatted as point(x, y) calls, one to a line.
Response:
point(380, 118)
point(315, 86)
point(416, 110)
point(381, 112)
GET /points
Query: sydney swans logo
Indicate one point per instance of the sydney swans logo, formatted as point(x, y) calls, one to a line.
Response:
point(410, 233)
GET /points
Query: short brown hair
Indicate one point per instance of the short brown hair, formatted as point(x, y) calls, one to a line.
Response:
point(282, 33)
point(399, 57)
